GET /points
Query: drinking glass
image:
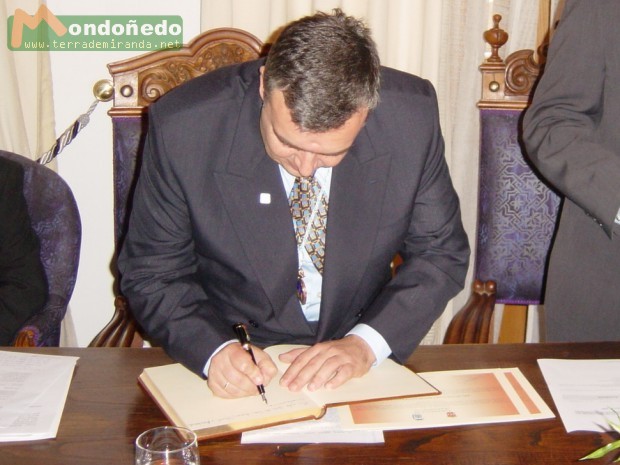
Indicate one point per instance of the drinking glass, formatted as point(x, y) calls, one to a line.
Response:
point(167, 445)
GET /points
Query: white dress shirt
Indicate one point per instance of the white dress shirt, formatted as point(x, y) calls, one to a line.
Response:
point(313, 280)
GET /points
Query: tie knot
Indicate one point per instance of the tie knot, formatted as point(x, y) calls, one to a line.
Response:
point(307, 183)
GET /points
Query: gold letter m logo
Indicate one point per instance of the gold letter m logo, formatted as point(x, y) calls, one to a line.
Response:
point(22, 18)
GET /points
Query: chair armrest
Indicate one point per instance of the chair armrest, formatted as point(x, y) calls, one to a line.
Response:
point(121, 331)
point(43, 328)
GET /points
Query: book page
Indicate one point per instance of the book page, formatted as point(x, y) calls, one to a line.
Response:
point(188, 401)
point(387, 380)
point(468, 397)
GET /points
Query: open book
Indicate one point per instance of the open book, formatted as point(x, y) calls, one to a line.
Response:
point(187, 401)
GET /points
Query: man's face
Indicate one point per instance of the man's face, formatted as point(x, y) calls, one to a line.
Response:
point(301, 153)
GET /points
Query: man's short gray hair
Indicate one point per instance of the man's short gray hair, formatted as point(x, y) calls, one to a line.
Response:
point(327, 67)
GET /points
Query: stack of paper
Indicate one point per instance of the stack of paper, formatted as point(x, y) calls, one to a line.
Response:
point(33, 391)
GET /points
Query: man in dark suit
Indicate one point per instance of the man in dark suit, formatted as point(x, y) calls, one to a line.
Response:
point(23, 285)
point(571, 134)
point(212, 240)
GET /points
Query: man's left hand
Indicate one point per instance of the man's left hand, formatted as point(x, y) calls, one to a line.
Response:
point(327, 364)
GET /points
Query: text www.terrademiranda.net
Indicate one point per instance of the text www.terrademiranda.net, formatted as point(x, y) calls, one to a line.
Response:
point(111, 44)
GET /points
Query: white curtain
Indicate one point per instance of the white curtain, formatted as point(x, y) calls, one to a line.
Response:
point(27, 108)
point(27, 111)
point(437, 40)
point(406, 31)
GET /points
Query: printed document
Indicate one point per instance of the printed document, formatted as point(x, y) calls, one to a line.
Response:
point(33, 391)
point(586, 392)
point(468, 397)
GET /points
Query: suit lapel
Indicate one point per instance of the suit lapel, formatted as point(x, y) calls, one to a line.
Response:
point(254, 197)
point(355, 204)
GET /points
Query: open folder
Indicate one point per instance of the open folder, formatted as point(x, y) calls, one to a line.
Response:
point(187, 401)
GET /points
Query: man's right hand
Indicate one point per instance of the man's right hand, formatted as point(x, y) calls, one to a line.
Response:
point(233, 374)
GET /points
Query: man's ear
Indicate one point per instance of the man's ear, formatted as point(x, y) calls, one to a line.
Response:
point(261, 87)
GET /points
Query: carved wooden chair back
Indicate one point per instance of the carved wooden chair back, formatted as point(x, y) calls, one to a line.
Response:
point(138, 82)
point(516, 209)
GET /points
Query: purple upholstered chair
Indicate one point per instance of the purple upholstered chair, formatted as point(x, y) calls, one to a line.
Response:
point(56, 221)
point(516, 209)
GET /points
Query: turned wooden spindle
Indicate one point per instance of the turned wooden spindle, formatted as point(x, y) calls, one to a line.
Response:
point(496, 37)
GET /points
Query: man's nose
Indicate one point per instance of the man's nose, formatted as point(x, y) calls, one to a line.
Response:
point(307, 163)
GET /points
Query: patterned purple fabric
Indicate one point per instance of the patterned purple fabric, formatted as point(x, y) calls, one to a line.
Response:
point(516, 213)
point(56, 221)
point(128, 138)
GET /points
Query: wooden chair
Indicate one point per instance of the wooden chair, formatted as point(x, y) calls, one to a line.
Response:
point(516, 209)
point(138, 82)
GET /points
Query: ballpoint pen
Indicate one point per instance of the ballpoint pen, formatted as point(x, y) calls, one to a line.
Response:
point(244, 339)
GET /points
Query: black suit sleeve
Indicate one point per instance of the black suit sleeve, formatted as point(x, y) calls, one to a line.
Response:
point(23, 286)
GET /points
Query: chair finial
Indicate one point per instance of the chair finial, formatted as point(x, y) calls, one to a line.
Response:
point(496, 37)
point(103, 90)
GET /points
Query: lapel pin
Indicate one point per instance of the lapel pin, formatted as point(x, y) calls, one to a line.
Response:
point(265, 198)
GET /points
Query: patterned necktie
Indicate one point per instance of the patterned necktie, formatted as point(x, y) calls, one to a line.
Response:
point(302, 200)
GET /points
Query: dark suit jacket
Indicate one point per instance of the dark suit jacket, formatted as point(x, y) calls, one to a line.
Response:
point(202, 253)
point(572, 135)
point(23, 286)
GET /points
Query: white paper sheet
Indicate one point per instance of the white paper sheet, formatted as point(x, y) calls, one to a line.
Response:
point(586, 392)
point(33, 391)
point(326, 430)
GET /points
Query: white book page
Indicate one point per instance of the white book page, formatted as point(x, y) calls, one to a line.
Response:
point(196, 407)
point(387, 380)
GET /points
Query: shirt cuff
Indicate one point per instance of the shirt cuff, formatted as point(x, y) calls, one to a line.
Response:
point(377, 343)
point(205, 371)
point(617, 220)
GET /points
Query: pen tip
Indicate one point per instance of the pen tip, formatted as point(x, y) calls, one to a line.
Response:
point(264, 399)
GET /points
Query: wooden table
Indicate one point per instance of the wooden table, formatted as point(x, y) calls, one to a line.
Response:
point(106, 410)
